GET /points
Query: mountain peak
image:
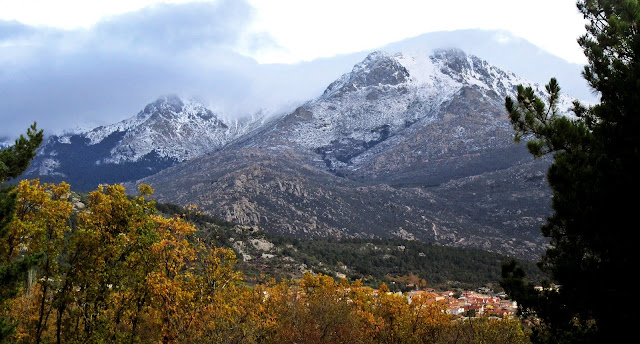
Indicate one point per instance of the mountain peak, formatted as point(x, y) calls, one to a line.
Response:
point(455, 59)
point(378, 68)
point(375, 57)
point(167, 101)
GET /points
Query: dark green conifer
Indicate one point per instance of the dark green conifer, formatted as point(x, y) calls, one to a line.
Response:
point(595, 178)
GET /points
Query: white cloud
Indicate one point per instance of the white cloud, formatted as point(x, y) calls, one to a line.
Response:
point(305, 30)
point(71, 14)
point(309, 29)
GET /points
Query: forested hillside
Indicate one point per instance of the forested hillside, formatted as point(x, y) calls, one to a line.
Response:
point(397, 262)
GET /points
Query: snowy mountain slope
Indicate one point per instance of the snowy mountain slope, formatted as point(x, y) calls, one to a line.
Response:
point(508, 52)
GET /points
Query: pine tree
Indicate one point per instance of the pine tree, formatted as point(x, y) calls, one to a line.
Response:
point(594, 178)
point(13, 161)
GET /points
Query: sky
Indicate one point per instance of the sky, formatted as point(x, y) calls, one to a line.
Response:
point(70, 63)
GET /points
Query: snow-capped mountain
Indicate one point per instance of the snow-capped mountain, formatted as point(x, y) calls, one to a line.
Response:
point(407, 111)
point(167, 131)
point(391, 115)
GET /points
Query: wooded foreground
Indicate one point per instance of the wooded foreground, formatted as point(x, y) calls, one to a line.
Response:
point(116, 271)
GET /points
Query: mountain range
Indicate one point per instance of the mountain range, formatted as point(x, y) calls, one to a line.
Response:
point(414, 144)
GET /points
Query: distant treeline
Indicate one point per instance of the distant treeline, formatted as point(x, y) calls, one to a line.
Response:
point(388, 259)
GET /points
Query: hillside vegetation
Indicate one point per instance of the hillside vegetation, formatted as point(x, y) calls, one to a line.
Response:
point(397, 262)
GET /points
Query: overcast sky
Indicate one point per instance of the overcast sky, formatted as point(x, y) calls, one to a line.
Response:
point(80, 62)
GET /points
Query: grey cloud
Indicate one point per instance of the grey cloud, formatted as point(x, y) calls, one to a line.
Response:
point(175, 27)
point(13, 29)
point(62, 79)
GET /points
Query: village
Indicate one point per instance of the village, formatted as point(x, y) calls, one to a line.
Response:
point(470, 303)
